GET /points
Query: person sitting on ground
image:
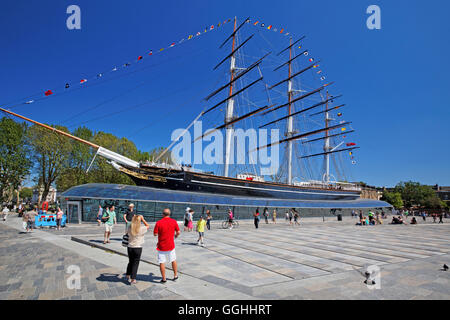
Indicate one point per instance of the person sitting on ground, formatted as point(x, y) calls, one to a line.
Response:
point(413, 220)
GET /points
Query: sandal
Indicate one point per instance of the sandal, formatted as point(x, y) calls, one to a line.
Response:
point(163, 281)
point(175, 278)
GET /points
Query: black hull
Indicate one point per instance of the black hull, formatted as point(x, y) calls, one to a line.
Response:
point(195, 182)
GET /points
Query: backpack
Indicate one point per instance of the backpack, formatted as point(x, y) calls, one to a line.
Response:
point(105, 218)
point(125, 239)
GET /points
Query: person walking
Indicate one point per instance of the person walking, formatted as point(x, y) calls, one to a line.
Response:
point(290, 217)
point(128, 216)
point(99, 214)
point(165, 229)
point(136, 233)
point(287, 216)
point(110, 220)
point(424, 216)
point(256, 218)
point(230, 219)
point(59, 216)
point(191, 220)
point(186, 219)
point(434, 217)
point(296, 217)
point(31, 218)
point(266, 215)
point(25, 220)
point(5, 212)
point(201, 230)
point(274, 216)
point(208, 219)
point(440, 218)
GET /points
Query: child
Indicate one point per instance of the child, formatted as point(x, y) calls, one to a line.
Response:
point(201, 229)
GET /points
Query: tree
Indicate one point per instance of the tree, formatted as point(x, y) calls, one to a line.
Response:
point(393, 198)
point(79, 159)
point(15, 161)
point(156, 152)
point(26, 193)
point(414, 193)
point(51, 154)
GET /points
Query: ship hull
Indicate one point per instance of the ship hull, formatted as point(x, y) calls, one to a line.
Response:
point(197, 182)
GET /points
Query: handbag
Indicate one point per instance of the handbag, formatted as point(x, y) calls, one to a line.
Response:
point(125, 239)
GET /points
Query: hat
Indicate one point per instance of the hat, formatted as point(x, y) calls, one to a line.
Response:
point(131, 205)
point(188, 209)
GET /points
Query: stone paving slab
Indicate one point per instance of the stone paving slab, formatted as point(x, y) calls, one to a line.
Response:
point(277, 261)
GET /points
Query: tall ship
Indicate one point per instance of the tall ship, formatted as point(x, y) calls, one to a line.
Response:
point(305, 112)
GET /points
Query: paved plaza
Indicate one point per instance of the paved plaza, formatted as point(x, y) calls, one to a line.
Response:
point(317, 260)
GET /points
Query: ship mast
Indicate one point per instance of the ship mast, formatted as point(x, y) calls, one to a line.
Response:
point(230, 106)
point(326, 146)
point(290, 120)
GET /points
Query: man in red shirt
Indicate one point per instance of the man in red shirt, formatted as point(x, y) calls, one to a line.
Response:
point(166, 229)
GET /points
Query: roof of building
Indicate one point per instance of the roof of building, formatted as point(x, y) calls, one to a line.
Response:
point(135, 193)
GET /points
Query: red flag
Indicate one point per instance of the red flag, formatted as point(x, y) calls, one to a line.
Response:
point(150, 53)
point(140, 58)
point(83, 80)
point(48, 92)
point(351, 144)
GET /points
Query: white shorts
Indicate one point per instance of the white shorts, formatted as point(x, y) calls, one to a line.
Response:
point(108, 227)
point(166, 256)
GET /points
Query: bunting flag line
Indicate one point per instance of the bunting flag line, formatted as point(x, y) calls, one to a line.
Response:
point(139, 58)
point(350, 144)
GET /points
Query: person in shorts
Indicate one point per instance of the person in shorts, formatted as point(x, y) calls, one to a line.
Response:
point(201, 230)
point(99, 214)
point(110, 220)
point(166, 229)
point(59, 216)
point(31, 219)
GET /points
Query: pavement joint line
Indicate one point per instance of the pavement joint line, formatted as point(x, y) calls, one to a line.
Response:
point(389, 239)
point(230, 256)
point(365, 239)
point(271, 255)
point(333, 259)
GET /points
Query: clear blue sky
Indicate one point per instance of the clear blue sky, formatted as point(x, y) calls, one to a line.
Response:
point(395, 80)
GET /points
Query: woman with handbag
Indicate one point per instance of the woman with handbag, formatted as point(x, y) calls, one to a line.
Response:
point(136, 233)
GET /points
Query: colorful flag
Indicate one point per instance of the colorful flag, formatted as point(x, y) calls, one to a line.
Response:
point(255, 23)
point(282, 29)
point(286, 34)
point(126, 64)
point(48, 92)
point(269, 27)
point(319, 72)
point(190, 37)
point(67, 85)
point(114, 69)
point(150, 53)
point(311, 59)
point(343, 129)
point(161, 49)
point(322, 78)
point(212, 27)
point(306, 53)
point(83, 80)
point(100, 75)
point(172, 44)
point(339, 114)
point(350, 144)
point(350, 153)
point(198, 33)
point(263, 25)
point(139, 58)
point(316, 66)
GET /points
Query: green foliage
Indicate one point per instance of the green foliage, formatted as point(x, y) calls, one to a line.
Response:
point(15, 161)
point(26, 193)
point(393, 198)
point(414, 193)
point(51, 154)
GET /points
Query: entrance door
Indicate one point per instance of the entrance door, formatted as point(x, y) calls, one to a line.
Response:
point(74, 212)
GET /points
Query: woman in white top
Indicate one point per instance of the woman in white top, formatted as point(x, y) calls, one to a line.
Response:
point(136, 233)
